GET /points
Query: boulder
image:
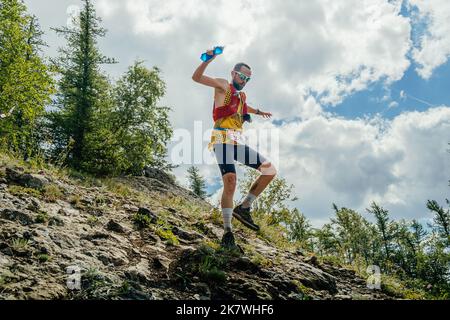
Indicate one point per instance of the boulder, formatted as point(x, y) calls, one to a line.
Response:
point(34, 181)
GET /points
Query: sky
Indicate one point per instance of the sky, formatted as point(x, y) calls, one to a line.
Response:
point(358, 89)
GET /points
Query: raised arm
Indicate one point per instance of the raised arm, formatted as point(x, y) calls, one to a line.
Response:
point(199, 76)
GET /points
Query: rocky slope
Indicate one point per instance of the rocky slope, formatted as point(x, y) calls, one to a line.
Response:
point(142, 238)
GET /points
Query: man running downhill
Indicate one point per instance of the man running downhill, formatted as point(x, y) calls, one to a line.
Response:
point(230, 112)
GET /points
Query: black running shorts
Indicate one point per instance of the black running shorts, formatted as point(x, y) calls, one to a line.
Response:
point(226, 154)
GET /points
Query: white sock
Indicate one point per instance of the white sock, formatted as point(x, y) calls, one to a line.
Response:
point(248, 201)
point(227, 214)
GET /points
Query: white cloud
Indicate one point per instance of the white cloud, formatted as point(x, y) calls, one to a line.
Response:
point(393, 104)
point(400, 163)
point(434, 46)
point(331, 48)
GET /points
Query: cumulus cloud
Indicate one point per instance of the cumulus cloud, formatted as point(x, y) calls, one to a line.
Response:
point(400, 163)
point(322, 48)
point(434, 43)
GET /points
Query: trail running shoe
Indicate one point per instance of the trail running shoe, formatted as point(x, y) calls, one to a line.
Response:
point(243, 215)
point(228, 241)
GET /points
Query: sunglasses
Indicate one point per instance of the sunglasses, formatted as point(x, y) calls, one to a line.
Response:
point(243, 77)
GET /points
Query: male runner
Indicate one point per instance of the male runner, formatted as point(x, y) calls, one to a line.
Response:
point(230, 112)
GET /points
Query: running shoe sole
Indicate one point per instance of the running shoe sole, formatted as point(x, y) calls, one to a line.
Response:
point(245, 222)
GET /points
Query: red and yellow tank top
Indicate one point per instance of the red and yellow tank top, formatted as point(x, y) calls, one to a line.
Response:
point(228, 119)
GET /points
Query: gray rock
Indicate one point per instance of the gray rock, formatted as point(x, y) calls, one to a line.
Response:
point(186, 235)
point(342, 297)
point(34, 205)
point(115, 227)
point(130, 208)
point(159, 175)
point(56, 221)
point(140, 272)
point(114, 257)
point(161, 262)
point(15, 215)
point(34, 181)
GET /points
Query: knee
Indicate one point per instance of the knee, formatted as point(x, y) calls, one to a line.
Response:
point(268, 169)
point(229, 183)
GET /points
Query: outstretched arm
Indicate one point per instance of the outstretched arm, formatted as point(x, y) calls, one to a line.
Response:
point(263, 114)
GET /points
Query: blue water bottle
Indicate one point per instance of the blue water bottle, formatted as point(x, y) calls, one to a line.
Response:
point(206, 57)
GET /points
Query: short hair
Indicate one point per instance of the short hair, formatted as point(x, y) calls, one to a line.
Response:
point(239, 66)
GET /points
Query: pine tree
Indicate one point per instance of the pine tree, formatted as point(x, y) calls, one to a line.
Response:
point(26, 83)
point(382, 222)
point(84, 93)
point(441, 220)
point(300, 228)
point(197, 182)
point(326, 243)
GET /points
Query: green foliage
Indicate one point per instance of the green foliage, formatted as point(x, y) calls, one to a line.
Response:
point(103, 129)
point(20, 244)
point(211, 264)
point(441, 220)
point(197, 182)
point(52, 193)
point(20, 191)
point(143, 127)
point(25, 80)
point(92, 220)
point(42, 217)
point(299, 228)
point(42, 258)
point(164, 231)
point(83, 98)
point(142, 220)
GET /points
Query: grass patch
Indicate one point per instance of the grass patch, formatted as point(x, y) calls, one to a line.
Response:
point(305, 291)
point(75, 201)
point(394, 287)
point(92, 221)
point(164, 231)
point(42, 217)
point(42, 258)
point(20, 191)
point(210, 267)
point(142, 220)
point(51, 193)
point(261, 261)
point(274, 234)
point(119, 188)
point(20, 244)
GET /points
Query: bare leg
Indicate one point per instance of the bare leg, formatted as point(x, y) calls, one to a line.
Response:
point(268, 174)
point(229, 187)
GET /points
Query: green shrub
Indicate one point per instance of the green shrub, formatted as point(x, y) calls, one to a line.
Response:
point(52, 193)
point(19, 191)
point(142, 220)
point(42, 217)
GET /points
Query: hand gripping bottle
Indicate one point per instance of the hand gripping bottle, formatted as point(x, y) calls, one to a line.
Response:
point(206, 57)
